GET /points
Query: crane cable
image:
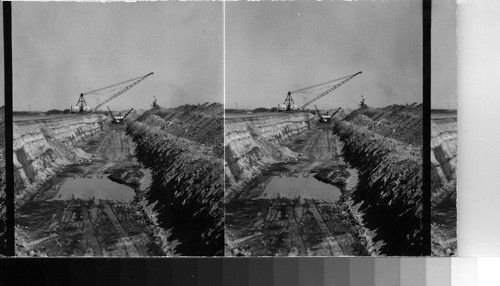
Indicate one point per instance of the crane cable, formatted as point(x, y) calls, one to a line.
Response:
point(319, 84)
point(113, 85)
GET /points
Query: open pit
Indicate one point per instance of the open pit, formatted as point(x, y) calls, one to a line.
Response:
point(87, 187)
point(296, 187)
point(444, 183)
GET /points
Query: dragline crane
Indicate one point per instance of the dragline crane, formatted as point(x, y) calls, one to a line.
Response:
point(119, 118)
point(289, 104)
point(82, 106)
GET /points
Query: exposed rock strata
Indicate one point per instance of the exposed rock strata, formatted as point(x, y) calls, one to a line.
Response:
point(444, 185)
point(42, 147)
point(251, 143)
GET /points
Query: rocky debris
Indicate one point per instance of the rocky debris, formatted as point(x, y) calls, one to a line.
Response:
point(252, 143)
point(288, 227)
point(82, 228)
point(41, 148)
point(389, 194)
point(444, 185)
point(187, 175)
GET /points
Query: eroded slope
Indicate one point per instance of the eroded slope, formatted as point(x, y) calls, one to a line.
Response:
point(385, 146)
point(183, 149)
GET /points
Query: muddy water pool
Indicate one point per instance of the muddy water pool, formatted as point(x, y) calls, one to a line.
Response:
point(304, 186)
point(96, 188)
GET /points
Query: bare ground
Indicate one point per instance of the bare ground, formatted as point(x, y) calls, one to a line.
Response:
point(88, 227)
point(294, 227)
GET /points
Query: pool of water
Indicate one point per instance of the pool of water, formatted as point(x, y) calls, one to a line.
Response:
point(303, 186)
point(97, 188)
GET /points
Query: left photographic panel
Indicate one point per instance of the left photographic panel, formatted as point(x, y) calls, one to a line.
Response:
point(118, 129)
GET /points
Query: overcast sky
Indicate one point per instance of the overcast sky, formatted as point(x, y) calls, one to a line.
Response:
point(444, 54)
point(274, 47)
point(63, 49)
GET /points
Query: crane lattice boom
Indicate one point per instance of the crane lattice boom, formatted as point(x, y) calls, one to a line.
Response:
point(136, 81)
point(328, 90)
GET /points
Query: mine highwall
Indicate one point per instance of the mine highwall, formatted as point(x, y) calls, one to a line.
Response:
point(252, 143)
point(389, 190)
point(41, 147)
point(186, 190)
point(443, 158)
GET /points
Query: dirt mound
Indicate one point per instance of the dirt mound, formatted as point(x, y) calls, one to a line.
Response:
point(388, 195)
point(198, 123)
point(401, 122)
point(180, 147)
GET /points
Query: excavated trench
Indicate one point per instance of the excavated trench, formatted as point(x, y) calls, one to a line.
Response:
point(353, 187)
point(183, 149)
point(86, 187)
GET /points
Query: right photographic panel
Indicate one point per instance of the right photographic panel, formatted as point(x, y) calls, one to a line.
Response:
point(444, 128)
point(324, 129)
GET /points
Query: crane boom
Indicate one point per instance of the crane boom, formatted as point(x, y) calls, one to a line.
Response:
point(137, 80)
point(110, 113)
point(330, 90)
point(126, 114)
point(317, 110)
point(333, 114)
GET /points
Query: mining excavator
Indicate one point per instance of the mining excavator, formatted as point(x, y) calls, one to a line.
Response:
point(82, 107)
point(326, 118)
point(119, 118)
point(290, 106)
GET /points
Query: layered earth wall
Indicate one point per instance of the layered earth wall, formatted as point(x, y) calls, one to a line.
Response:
point(252, 143)
point(444, 185)
point(42, 147)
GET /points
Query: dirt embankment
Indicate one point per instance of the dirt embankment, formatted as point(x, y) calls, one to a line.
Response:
point(444, 185)
point(384, 145)
point(251, 144)
point(43, 147)
point(182, 148)
point(3, 226)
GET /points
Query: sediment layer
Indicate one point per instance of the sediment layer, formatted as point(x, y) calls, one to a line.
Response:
point(41, 147)
point(181, 148)
point(251, 143)
point(389, 194)
point(444, 185)
point(443, 155)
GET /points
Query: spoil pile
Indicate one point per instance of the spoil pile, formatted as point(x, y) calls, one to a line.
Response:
point(182, 148)
point(383, 144)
